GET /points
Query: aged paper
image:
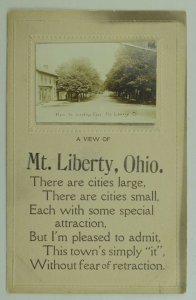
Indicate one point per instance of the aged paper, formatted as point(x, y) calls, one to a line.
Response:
point(96, 175)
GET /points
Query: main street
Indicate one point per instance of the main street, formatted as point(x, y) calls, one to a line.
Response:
point(101, 109)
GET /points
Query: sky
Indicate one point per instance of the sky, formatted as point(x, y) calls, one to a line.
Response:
point(101, 55)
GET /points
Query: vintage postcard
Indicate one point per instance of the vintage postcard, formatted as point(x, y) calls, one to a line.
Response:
point(96, 160)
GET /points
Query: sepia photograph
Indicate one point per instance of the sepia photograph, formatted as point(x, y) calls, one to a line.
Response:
point(96, 83)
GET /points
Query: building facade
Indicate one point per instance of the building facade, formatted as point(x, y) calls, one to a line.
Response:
point(46, 89)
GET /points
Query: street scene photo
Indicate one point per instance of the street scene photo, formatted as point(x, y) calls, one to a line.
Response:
point(96, 83)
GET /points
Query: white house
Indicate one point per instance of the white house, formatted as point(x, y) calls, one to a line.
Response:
point(45, 85)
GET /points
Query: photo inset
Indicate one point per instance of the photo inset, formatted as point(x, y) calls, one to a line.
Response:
point(96, 83)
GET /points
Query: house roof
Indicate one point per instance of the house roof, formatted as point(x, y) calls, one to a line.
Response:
point(46, 72)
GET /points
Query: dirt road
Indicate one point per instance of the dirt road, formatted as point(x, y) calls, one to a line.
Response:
point(102, 108)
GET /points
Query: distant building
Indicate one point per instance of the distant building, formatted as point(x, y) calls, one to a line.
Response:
point(45, 86)
point(145, 45)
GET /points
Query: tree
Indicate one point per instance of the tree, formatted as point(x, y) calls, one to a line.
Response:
point(133, 75)
point(77, 78)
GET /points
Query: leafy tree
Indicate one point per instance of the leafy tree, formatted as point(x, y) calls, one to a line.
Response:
point(78, 78)
point(133, 75)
